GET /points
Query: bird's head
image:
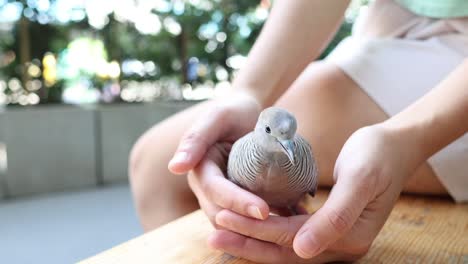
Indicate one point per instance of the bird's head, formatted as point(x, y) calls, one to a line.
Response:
point(276, 128)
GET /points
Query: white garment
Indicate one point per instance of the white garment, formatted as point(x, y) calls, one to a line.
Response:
point(397, 57)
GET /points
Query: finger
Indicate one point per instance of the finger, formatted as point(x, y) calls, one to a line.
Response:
point(209, 208)
point(275, 229)
point(195, 143)
point(341, 210)
point(209, 179)
point(372, 220)
point(259, 251)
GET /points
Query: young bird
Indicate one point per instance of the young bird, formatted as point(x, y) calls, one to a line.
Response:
point(273, 161)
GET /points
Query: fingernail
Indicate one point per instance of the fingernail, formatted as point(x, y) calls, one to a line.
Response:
point(308, 245)
point(254, 212)
point(179, 157)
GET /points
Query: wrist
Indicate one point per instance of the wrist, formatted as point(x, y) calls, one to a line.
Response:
point(408, 138)
point(261, 92)
point(236, 94)
point(240, 97)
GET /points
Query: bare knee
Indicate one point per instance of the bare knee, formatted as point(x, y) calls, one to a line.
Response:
point(134, 158)
point(324, 81)
point(138, 155)
point(159, 195)
point(153, 150)
point(149, 158)
point(144, 174)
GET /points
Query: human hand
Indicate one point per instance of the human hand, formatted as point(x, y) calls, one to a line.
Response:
point(203, 153)
point(369, 175)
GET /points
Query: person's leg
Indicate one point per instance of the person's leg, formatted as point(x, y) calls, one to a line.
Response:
point(329, 107)
point(159, 195)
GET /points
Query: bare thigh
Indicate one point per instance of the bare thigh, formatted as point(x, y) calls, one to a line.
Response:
point(329, 107)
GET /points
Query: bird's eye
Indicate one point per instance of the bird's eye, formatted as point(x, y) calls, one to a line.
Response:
point(268, 130)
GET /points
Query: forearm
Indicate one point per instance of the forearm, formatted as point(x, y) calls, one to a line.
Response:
point(295, 34)
point(437, 119)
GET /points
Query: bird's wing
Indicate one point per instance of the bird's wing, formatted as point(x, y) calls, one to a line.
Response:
point(306, 169)
point(243, 167)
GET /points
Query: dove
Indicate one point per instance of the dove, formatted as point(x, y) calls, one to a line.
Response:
point(273, 161)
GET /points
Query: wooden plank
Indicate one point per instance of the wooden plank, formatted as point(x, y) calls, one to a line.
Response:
point(419, 230)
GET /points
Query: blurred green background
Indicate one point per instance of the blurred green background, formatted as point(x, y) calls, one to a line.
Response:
point(78, 51)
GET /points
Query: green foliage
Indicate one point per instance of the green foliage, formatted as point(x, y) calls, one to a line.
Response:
point(170, 51)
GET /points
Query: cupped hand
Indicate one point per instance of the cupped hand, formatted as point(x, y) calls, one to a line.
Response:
point(203, 153)
point(369, 175)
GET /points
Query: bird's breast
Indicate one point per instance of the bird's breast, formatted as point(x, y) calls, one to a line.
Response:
point(272, 184)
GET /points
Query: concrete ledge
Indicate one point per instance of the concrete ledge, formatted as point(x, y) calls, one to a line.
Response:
point(2, 158)
point(49, 148)
point(53, 148)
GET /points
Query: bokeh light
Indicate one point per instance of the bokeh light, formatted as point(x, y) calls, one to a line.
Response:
point(82, 51)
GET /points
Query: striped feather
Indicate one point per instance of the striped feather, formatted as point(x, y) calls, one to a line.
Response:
point(271, 175)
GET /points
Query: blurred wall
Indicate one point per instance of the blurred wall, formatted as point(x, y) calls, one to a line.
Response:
point(55, 148)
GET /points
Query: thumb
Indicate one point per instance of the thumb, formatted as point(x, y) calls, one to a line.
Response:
point(334, 219)
point(196, 142)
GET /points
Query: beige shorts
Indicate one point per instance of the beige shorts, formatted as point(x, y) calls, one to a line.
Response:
point(397, 57)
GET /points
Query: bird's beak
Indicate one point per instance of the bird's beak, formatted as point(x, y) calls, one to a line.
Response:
point(288, 148)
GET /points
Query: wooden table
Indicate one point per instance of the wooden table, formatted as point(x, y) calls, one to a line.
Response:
point(419, 230)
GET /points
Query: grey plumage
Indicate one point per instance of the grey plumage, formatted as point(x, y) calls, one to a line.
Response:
point(273, 161)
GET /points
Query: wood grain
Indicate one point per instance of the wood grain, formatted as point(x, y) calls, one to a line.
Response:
point(419, 230)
